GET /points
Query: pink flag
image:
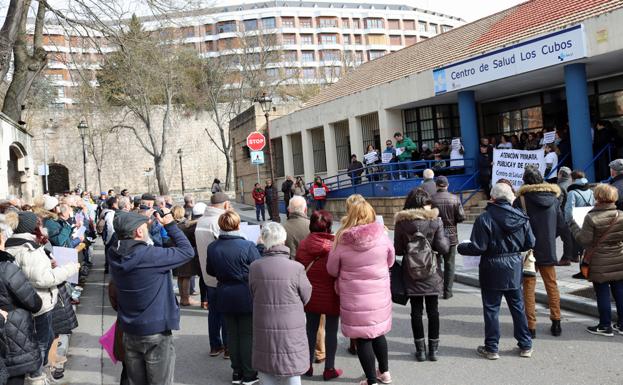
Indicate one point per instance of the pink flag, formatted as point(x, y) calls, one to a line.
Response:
point(108, 342)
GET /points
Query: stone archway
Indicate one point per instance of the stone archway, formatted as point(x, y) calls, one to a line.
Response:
point(16, 170)
point(58, 180)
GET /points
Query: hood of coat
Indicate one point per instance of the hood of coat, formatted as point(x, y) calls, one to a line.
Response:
point(23, 239)
point(541, 195)
point(278, 251)
point(363, 237)
point(508, 218)
point(581, 184)
point(320, 241)
point(416, 214)
point(6, 257)
point(124, 254)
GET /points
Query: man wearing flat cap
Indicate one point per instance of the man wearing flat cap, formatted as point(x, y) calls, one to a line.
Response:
point(147, 308)
point(616, 172)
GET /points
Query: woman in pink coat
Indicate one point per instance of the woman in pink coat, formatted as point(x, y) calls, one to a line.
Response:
point(360, 260)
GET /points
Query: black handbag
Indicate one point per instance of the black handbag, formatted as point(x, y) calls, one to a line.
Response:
point(397, 285)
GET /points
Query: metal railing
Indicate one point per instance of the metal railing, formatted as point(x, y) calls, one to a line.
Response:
point(608, 147)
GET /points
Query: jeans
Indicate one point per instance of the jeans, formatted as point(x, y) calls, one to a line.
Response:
point(44, 335)
point(548, 273)
point(448, 270)
point(260, 209)
point(330, 338)
point(602, 290)
point(432, 312)
point(491, 300)
point(149, 360)
point(269, 379)
point(320, 203)
point(240, 337)
point(368, 350)
point(203, 289)
point(216, 323)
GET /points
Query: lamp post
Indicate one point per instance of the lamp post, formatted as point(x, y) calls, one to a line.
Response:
point(179, 153)
point(46, 131)
point(82, 127)
point(266, 104)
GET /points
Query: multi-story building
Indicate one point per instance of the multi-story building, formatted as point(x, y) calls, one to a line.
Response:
point(317, 40)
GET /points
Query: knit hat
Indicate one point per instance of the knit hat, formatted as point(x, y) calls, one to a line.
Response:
point(199, 209)
point(27, 222)
point(218, 198)
point(49, 202)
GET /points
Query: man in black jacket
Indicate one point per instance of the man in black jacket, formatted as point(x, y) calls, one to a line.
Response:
point(286, 189)
point(451, 212)
point(355, 169)
point(616, 171)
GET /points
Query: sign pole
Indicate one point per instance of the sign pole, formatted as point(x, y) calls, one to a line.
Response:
point(257, 166)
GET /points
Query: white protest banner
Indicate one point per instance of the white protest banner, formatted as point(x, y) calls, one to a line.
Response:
point(456, 144)
point(386, 157)
point(579, 213)
point(549, 137)
point(399, 150)
point(65, 256)
point(371, 157)
point(250, 232)
point(510, 164)
point(320, 192)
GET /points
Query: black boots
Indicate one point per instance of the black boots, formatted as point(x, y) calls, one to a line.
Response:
point(420, 350)
point(556, 329)
point(532, 333)
point(433, 349)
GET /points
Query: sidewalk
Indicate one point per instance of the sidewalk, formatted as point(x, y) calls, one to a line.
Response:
point(575, 294)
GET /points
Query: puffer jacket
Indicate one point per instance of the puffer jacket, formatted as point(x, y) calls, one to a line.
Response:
point(361, 262)
point(499, 236)
point(451, 213)
point(578, 195)
point(607, 259)
point(59, 232)
point(37, 267)
point(229, 258)
point(546, 219)
point(324, 299)
point(64, 318)
point(279, 286)
point(427, 222)
point(20, 300)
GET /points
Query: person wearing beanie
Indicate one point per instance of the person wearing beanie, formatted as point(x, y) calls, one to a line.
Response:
point(579, 195)
point(564, 181)
point(27, 247)
point(539, 200)
point(616, 180)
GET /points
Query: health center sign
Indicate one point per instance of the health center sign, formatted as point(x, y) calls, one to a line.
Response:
point(541, 52)
point(510, 165)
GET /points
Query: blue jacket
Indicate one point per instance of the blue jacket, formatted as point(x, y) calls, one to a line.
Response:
point(59, 232)
point(229, 258)
point(146, 302)
point(499, 236)
point(158, 234)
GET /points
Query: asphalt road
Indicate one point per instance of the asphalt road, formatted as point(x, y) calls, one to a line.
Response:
point(575, 358)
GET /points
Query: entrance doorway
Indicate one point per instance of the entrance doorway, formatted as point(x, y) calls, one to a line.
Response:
point(58, 180)
point(15, 171)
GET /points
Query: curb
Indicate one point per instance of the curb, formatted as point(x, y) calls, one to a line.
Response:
point(577, 305)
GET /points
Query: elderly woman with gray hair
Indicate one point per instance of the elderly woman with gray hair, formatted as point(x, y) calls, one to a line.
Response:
point(280, 290)
point(499, 236)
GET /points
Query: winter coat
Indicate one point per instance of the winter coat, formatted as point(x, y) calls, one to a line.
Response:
point(37, 267)
point(191, 267)
point(59, 232)
point(229, 258)
point(579, 195)
point(546, 219)
point(206, 232)
point(427, 222)
point(216, 187)
point(324, 299)
point(617, 182)
point(451, 213)
point(258, 196)
point(606, 264)
point(361, 262)
point(484, 166)
point(286, 189)
point(319, 197)
point(408, 147)
point(64, 318)
point(4, 373)
point(271, 194)
point(429, 186)
point(499, 236)
point(299, 190)
point(280, 287)
point(297, 228)
point(20, 300)
point(355, 169)
point(146, 302)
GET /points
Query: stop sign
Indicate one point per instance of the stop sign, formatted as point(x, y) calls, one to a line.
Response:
point(256, 141)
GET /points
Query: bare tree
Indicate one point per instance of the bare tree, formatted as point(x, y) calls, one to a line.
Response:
point(9, 32)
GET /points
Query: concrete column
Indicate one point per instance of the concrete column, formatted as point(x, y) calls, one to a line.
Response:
point(468, 116)
point(308, 155)
point(356, 137)
point(579, 118)
point(390, 121)
point(330, 149)
point(288, 162)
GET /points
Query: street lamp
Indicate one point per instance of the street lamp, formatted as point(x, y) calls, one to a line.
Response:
point(82, 127)
point(266, 104)
point(47, 130)
point(179, 153)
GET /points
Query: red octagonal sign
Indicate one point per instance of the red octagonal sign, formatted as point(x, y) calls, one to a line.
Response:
point(256, 141)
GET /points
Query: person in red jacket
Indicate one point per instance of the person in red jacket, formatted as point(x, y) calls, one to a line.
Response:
point(319, 192)
point(258, 196)
point(312, 253)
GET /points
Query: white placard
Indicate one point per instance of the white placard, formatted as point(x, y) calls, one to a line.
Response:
point(250, 232)
point(510, 164)
point(371, 157)
point(555, 48)
point(549, 137)
point(79, 232)
point(471, 262)
point(386, 157)
point(320, 192)
point(65, 256)
point(43, 170)
point(579, 213)
point(456, 144)
point(399, 150)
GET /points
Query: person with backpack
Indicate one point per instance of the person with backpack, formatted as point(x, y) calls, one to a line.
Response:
point(499, 236)
point(420, 238)
point(579, 194)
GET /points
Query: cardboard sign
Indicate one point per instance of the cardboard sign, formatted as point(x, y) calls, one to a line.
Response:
point(250, 232)
point(399, 150)
point(320, 192)
point(386, 157)
point(510, 164)
point(549, 137)
point(579, 213)
point(456, 144)
point(371, 157)
point(65, 256)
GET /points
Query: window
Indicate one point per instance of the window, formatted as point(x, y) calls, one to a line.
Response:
point(289, 39)
point(342, 144)
point(432, 28)
point(271, 73)
point(409, 25)
point(309, 73)
point(332, 73)
point(446, 28)
point(327, 23)
point(375, 54)
point(377, 40)
point(611, 105)
point(330, 55)
point(320, 157)
point(287, 22)
point(305, 22)
point(268, 23)
point(393, 24)
point(410, 40)
point(307, 56)
point(188, 32)
point(209, 28)
point(56, 77)
point(227, 26)
point(427, 125)
point(357, 39)
point(356, 23)
point(345, 39)
point(292, 73)
point(289, 56)
point(60, 92)
point(374, 23)
point(421, 26)
point(250, 25)
point(296, 143)
point(370, 130)
point(345, 23)
point(359, 57)
point(395, 40)
point(278, 157)
point(328, 39)
point(307, 39)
